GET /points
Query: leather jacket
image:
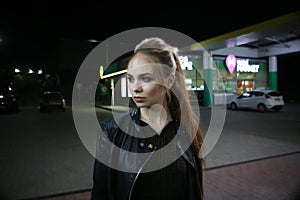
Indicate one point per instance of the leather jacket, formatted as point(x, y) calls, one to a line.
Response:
point(111, 183)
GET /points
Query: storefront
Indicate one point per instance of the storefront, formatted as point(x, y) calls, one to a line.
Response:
point(228, 76)
point(237, 75)
point(217, 79)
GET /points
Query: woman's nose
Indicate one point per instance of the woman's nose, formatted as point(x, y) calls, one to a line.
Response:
point(137, 87)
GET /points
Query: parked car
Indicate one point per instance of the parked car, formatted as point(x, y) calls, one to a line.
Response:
point(52, 100)
point(260, 100)
point(8, 99)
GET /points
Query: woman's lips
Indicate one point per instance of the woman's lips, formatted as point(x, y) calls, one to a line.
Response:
point(139, 99)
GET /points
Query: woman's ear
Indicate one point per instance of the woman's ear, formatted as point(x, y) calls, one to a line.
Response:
point(171, 80)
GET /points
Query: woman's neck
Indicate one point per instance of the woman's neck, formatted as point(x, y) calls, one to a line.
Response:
point(157, 116)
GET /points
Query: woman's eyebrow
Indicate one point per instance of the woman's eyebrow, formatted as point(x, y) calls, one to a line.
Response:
point(141, 74)
point(147, 74)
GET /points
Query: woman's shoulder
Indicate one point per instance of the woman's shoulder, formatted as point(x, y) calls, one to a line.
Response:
point(122, 118)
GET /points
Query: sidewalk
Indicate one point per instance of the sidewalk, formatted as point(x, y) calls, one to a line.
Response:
point(276, 178)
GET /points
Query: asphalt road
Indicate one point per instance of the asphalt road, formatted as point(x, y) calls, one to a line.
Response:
point(42, 154)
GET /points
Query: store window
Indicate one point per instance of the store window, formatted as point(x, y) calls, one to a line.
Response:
point(246, 76)
point(192, 72)
point(223, 80)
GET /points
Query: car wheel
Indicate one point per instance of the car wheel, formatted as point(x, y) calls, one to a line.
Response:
point(17, 109)
point(261, 108)
point(233, 106)
point(277, 109)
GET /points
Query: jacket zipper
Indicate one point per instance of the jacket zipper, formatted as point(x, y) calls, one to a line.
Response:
point(130, 193)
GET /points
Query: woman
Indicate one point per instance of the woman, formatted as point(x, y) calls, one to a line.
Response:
point(162, 116)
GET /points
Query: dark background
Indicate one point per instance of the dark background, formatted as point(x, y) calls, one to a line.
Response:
point(30, 34)
point(36, 28)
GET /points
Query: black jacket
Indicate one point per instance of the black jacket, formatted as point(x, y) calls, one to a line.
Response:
point(116, 181)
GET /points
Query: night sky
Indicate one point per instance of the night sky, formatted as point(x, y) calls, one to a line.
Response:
point(29, 34)
point(23, 28)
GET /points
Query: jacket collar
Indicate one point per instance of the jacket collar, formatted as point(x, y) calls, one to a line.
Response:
point(186, 152)
point(135, 114)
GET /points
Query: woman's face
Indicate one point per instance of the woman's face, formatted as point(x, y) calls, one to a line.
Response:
point(143, 82)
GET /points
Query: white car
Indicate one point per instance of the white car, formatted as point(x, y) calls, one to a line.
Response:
point(260, 100)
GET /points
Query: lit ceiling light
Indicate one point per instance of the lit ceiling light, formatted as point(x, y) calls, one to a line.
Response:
point(17, 70)
point(30, 71)
point(93, 41)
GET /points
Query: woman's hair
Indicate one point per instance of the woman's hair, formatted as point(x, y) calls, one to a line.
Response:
point(177, 97)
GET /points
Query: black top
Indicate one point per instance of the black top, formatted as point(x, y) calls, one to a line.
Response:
point(166, 183)
point(109, 183)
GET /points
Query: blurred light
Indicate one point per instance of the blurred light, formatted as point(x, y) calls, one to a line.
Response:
point(40, 71)
point(113, 74)
point(1, 96)
point(17, 70)
point(30, 71)
point(101, 71)
point(9, 88)
point(188, 81)
point(123, 87)
point(92, 40)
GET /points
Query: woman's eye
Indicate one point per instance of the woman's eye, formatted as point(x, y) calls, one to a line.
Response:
point(130, 79)
point(146, 79)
